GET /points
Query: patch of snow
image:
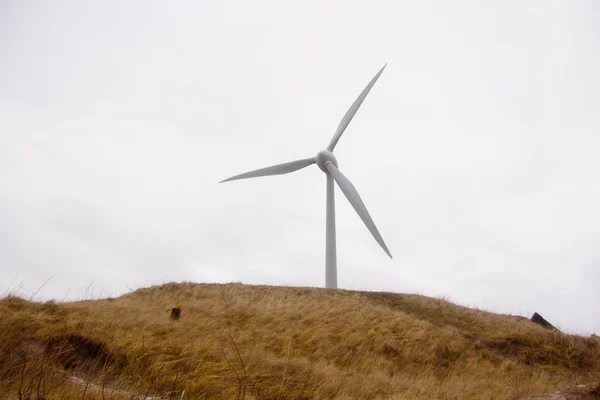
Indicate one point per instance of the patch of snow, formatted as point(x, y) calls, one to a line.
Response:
point(75, 380)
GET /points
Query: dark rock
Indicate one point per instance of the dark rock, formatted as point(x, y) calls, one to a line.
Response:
point(175, 313)
point(538, 319)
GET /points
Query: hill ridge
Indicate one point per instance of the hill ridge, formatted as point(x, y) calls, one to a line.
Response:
point(272, 342)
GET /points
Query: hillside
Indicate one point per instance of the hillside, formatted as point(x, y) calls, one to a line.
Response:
point(241, 341)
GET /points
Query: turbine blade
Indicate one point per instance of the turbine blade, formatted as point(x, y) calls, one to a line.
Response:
point(353, 197)
point(278, 169)
point(352, 110)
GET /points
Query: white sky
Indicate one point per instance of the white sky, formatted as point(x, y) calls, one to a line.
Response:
point(476, 152)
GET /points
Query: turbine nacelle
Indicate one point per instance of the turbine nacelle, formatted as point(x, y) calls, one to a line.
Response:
point(324, 157)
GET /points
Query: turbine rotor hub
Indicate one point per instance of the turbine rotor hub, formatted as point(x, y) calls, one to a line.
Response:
point(324, 157)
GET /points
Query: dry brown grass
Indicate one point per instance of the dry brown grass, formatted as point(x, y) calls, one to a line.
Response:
point(259, 342)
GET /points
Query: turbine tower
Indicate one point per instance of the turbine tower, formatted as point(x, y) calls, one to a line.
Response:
point(327, 162)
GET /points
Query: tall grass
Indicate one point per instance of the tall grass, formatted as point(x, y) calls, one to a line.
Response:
point(256, 342)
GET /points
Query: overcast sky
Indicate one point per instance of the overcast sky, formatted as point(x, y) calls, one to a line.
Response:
point(476, 152)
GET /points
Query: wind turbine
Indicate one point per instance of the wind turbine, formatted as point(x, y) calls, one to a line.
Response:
point(327, 162)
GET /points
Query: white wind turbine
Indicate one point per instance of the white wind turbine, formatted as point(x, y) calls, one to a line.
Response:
point(328, 164)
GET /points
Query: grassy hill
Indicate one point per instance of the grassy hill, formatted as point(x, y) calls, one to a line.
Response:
point(259, 342)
